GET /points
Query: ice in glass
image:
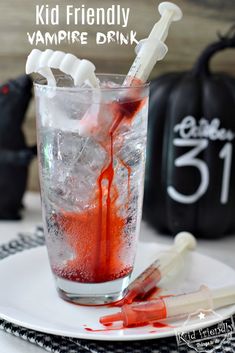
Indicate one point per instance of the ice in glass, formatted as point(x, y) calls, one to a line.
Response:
point(91, 183)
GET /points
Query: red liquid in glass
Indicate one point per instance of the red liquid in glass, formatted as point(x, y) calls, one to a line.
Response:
point(96, 234)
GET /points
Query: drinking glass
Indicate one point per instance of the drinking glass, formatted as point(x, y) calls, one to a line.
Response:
point(91, 149)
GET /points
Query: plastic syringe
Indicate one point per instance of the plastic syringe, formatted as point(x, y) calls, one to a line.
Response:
point(164, 264)
point(153, 48)
point(149, 51)
point(172, 307)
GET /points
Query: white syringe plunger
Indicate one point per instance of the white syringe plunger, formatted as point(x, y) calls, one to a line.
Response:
point(169, 13)
point(183, 242)
point(170, 6)
point(186, 240)
point(203, 299)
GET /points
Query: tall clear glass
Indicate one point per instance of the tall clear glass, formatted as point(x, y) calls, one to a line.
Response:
point(91, 148)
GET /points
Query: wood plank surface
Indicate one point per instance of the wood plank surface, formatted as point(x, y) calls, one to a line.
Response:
point(202, 20)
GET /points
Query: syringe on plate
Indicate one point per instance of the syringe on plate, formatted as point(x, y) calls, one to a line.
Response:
point(172, 307)
point(162, 266)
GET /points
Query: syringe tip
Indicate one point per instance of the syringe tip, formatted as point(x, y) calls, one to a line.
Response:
point(108, 319)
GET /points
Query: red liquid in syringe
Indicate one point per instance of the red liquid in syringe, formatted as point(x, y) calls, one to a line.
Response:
point(138, 314)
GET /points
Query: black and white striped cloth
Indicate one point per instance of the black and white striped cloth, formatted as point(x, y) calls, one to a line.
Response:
point(58, 344)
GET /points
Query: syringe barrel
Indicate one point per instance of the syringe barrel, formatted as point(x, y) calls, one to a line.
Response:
point(150, 52)
point(167, 307)
point(137, 314)
point(146, 281)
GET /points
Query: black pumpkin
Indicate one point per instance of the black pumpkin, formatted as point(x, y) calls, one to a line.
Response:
point(15, 156)
point(190, 171)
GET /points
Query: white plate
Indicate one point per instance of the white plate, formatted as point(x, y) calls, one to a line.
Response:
point(28, 297)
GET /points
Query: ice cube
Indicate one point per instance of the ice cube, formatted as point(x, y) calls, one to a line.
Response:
point(71, 176)
point(63, 111)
